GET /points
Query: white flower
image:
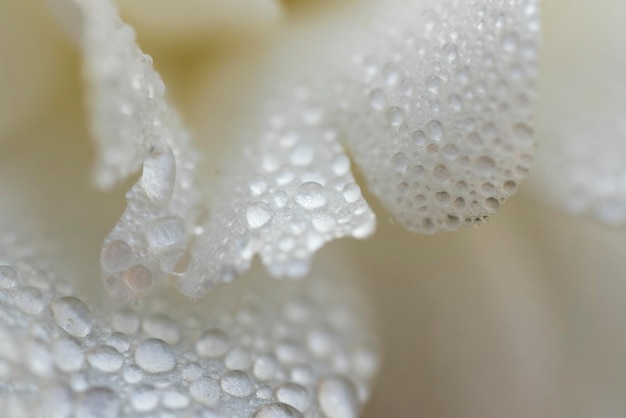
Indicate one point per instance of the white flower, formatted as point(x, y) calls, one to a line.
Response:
point(432, 101)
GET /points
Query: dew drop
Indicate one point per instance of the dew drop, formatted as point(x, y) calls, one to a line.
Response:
point(104, 358)
point(351, 192)
point(205, 391)
point(237, 383)
point(98, 403)
point(8, 277)
point(434, 130)
point(116, 256)
point(377, 99)
point(337, 397)
point(29, 300)
point(213, 343)
point(138, 278)
point(73, 316)
point(155, 356)
point(395, 116)
point(310, 195)
point(277, 410)
point(258, 214)
point(294, 395)
point(166, 232)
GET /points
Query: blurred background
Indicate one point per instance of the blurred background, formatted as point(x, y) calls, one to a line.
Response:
point(522, 317)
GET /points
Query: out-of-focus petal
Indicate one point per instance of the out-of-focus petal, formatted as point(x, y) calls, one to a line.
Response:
point(439, 116)
point(192, 23)
point(581, 162)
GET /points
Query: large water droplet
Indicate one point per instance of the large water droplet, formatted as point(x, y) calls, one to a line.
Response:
point(258, 214)
point(310, 195)
point(73, 316)
point(155, 356)
point(337, 397)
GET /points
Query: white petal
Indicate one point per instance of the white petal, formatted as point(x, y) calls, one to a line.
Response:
point(440, 119)
point(581, 164)
point(255, 347)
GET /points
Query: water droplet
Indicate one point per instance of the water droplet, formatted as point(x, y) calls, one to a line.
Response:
point(116, 256)
point(68, 355)
point(400, 162)
point(138, 278)
point(450, 52)
point(351, 192)
point(237, 383)
point(434, 130)
point(166, 232)
point(144, 398)
point(159, 174)
point(265, 367)
point(238, 359)
point(323, 223)
point(8, 277)
point(277, 410)
point(310, 195)
point(98, 403)
point(485, 164)
point(395, 116)
point(174, 400)
point(205, 391)
point(377, 99)
point(302, 155)
point(340, 164)
point(419, 138)
point(294, 395)
point(105, 358)
point(29, 300)
point(258, 214)
point(213, 343)
point(337, 397)
point(73, 316)
point(162, 327)
point(433, 84)
point(155, 356)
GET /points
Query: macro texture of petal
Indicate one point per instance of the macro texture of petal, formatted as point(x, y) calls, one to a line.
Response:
point(290, 191)
point(441, 114)
point(581, 162)
point(257, 348)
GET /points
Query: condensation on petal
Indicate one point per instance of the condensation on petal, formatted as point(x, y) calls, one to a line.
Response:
point(283, 197)
point(439, 107)
point(134, 125)
point(581, 163)
point(256, 347)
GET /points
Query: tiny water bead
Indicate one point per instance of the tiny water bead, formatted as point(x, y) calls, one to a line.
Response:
point(258, 214)
point(166, 232)
point(294, 395)
point(237, 383)
point(213, 343)
point(310, 195)
point(277, 410)
point(105, 358)
point(337, 398)
point(29, 300)
point(73, 316)
point(206, 391)
point(116, 256)
point(8, 277)
point(138, 278)
point(155, 356)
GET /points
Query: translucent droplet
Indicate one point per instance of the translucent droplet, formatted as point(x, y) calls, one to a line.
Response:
point(73, 316)
point(265, 367)
point(162, 327)
point(175, 400)
point(213, 343)
point(277, 410)
point(237, 383)
point(351, 192)
point(258, 214)
point(144, 398)
point(337, 397)
point(434, 130)
point(323, 223)
point(8, 277)
point(302, 155)
point(29, 300)
point(310, 195)
point(116, 256)
point(159, 174)
point(395, 116)
point(98, 402)
point(377, 99)
point(419, 138)
point(340, 165)
point(67, 355)
point(238, 359)
point(400, 162)
point(205, 391)
point(166, 232)
point(138, 278)
point(433, 83)
point(104, 358)
point(294, 395)
point(155, 356)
